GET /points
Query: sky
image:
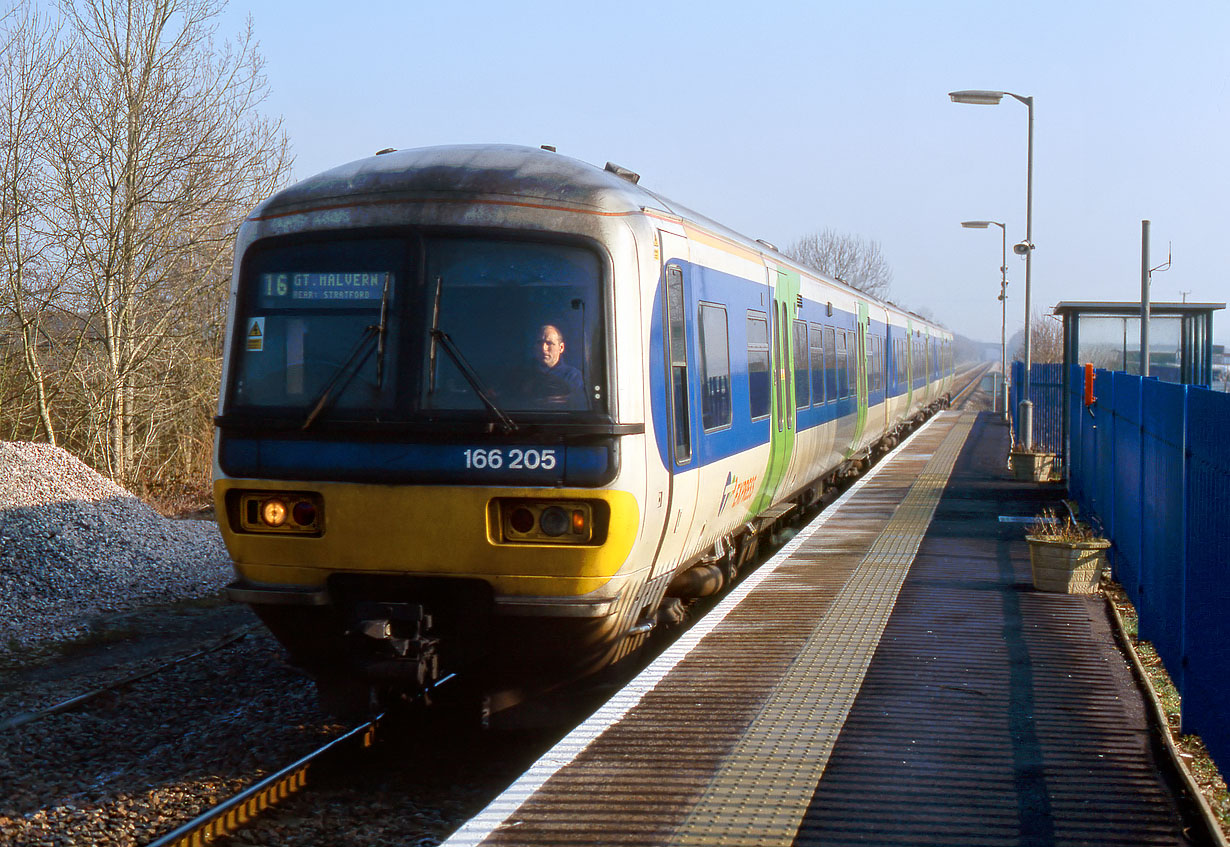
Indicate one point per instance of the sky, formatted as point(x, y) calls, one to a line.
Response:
point(780, 119)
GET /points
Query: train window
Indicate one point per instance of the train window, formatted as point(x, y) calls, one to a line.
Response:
point(871, 362)
point(879, 346)
point(852, 360)
point(758, 363)
point(524, 317)
point(310, 327)
point(802, 381)
point(714, 367)
point(830, 364)
point(677, 342)
point(843, 366)
point(817, 364)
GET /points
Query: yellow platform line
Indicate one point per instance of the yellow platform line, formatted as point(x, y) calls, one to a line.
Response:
point(763, 788)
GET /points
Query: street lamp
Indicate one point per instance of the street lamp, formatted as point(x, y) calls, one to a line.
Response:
point(992, 98)
point(1003, 299)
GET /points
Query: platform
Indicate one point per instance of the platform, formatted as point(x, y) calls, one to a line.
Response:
point(889, 677)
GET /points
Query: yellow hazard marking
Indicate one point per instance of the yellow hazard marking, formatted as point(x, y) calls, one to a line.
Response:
point(256, 335)
point(761, 792)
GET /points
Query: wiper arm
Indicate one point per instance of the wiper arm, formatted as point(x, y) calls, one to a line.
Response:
point(378, 331)
point(435, 327)
point(440, 337)
point(382, 331)
point(327, 394)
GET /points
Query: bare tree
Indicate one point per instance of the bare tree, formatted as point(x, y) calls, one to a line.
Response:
point(28, 64)
point(852, 259)
point(1045, 339)
point(159, 151)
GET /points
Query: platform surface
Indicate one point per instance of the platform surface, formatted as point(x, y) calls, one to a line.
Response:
point(889, 677)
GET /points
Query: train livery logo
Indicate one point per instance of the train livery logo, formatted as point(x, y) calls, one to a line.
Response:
point(737, 490)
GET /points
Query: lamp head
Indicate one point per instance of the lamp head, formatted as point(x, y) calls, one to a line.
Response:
point(975, 224)
point(978, 98)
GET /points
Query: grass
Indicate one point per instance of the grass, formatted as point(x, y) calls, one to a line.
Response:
point(1191, 749)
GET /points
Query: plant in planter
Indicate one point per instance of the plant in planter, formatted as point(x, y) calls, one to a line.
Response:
point(1031, 464)
point(1066, 556)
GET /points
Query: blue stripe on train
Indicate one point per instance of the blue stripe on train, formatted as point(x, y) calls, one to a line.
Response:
point(738, 296)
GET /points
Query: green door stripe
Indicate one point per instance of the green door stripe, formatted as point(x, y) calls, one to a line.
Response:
point(781, 442)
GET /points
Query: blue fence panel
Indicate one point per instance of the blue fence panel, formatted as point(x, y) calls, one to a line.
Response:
point(1076, 411)
point(1163, 541)
point(1089, 454)
point(1046, 394)
point(1206, 682)
point(1150, 462)
point(1104, 454)
point(1126, 484)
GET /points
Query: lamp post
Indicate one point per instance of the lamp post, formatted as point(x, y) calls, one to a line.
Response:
point(992, 98)
point(1003, 299)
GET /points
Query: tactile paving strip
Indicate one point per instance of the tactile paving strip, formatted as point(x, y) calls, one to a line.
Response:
point(633, 772)
point(762, 790)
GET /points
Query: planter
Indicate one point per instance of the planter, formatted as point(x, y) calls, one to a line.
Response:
point(1067, 567)
point(1031, 467)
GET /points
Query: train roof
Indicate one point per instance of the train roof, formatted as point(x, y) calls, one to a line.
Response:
point(509, 171)
point(470, 169)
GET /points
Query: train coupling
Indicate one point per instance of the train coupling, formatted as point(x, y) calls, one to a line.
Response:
point(403, 628)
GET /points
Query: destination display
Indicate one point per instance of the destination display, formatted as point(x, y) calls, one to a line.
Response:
point(320, 288)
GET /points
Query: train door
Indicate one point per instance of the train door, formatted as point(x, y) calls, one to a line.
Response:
point(911, 344)
point(860, 376)
point(785, 286)
point(682, 474)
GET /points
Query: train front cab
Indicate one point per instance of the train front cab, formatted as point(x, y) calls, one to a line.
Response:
point(396, 505)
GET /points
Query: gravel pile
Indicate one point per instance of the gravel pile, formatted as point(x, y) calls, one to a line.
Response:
point(74, 546)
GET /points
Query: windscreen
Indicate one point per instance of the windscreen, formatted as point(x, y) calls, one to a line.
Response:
point(404, 327)
point(525, 317)
point(313, 326)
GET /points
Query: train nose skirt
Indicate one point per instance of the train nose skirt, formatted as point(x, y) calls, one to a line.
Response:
point(729, 736)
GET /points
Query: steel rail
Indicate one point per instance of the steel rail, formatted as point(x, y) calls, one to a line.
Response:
point(969, 387)
point(73, 702)
point(236, 812)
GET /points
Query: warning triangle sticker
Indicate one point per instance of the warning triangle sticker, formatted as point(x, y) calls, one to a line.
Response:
point(256, 335)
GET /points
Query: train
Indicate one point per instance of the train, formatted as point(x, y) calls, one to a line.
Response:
point(492, 413)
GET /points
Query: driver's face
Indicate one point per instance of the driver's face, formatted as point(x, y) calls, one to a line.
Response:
point(549, 348)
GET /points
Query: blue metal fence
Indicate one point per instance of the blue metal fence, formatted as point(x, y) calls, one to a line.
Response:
point(1046, 393)
point(1152, 462)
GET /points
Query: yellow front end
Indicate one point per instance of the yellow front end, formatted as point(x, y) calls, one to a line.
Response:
point(441, 531)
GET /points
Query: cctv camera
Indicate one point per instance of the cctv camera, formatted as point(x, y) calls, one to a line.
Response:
point(1022, 249)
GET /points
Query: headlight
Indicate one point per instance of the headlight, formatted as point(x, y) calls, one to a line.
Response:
point(554, 521)
point(289, 512)
point(273, 512)
point(523, 521)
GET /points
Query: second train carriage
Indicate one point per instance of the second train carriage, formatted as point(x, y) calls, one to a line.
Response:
point(492, 410)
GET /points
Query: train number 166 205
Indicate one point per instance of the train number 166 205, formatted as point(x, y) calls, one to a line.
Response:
point(515, 458)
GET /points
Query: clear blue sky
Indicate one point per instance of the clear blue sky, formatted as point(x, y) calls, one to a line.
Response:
point(783, 118)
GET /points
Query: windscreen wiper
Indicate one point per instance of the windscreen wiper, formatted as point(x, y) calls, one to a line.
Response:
point(441, 338)
point(382, 331)
point(345, 373)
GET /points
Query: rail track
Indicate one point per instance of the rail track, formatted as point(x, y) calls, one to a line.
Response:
point(244, 808)
point(79, 700)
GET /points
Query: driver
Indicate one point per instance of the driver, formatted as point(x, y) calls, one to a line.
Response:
point(550, 380)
